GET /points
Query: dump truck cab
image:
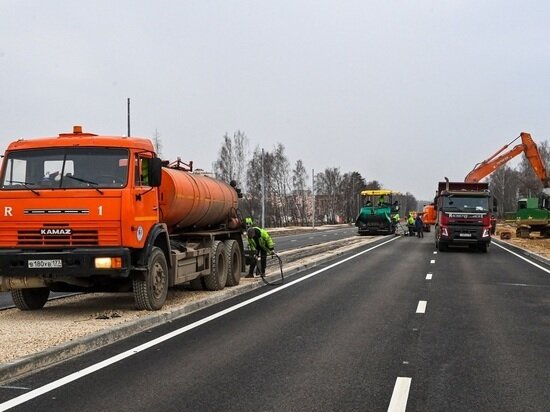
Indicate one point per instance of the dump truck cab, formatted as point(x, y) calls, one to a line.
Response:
point(463, 217)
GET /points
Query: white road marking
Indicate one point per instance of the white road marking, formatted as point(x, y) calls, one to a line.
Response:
point(123, 355)
point(432, 261)
point(293, 240)
point(435, 252)
point(521, 257)
point(429, 276)
point(421, 308)
point(20, 388)
point(400, 395)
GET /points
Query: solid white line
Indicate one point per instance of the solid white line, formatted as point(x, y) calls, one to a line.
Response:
point(521, 257)
point(421, 308)
point(429, 276)
point(117, 358)
point(400, 395)
point(432, 261)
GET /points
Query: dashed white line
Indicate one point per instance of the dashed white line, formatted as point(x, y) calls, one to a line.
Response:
point(400, 395)
point(435, 252)
point(293, 240)
point(421, 308)
point(432, 261)
point(429, 276)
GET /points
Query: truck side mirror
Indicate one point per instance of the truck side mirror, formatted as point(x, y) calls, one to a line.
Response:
point(155, 172)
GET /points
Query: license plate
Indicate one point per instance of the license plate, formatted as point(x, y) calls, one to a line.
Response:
point(465, 235)
point(45, 264)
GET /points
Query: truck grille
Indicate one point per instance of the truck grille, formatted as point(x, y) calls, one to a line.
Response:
point(78, 237)
point(59, 235)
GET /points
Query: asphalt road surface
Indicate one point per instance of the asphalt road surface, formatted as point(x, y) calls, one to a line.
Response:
point(396, 327)
point(282, 243)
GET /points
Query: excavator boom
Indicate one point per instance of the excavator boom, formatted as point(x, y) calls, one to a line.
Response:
point(527, 145)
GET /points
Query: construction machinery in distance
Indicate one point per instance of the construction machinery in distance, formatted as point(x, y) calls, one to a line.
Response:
point(533, 214)
point(428, 217)
point(377, 214)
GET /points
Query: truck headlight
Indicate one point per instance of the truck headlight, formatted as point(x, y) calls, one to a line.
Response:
point(108, 262)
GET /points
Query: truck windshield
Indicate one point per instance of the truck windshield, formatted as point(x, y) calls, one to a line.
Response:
point(466, 204)
point(70, 168)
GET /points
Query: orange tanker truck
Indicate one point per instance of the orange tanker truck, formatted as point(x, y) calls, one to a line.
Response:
point(82, 212)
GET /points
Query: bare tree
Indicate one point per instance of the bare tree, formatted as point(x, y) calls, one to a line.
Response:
point(300, 195)
point(280, 181)
point(328, 190)
point(352, 185)
point(373, 185)
point(157, 143)
point(504, 184)
point(232, 158)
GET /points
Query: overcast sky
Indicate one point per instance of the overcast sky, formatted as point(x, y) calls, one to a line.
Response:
point(404, 92)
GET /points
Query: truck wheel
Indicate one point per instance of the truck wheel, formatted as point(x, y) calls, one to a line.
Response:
point(30, 299)
point(217, 278)
point(150, 294)
point(233, 258)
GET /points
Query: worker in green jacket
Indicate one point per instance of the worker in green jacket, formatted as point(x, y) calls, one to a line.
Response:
point(410, 224)
point(260, 243)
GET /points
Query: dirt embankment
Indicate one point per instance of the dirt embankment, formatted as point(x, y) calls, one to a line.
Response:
point(535, 244)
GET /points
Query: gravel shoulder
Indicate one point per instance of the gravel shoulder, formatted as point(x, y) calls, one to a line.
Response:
point(534, 244)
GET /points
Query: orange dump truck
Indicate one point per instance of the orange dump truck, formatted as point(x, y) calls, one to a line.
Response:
point(428, 216)
point(82, 212)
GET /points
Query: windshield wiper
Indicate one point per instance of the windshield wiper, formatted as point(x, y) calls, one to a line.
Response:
point(26, 184)
point(94, 184)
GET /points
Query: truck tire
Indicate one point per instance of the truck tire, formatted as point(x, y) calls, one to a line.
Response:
point(217, 278)
point(30, 299)
point(150, 293)
point(234, 260)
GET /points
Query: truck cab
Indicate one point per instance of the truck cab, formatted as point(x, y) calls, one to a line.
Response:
point(463, 217)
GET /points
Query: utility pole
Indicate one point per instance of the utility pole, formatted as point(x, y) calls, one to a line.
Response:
point(313, 194)
point(128, 117)
point(263, 190)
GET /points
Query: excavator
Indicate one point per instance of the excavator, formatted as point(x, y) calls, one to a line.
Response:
point(528, 218)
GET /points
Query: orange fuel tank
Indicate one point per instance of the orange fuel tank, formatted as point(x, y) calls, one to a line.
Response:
point(191, 201)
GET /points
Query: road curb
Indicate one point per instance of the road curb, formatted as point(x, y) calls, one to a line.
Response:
point(522, 251)
point(22, 366)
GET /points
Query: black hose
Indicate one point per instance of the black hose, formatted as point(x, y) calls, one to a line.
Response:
point(261, 272)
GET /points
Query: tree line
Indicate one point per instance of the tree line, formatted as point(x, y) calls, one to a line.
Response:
point(292, 196)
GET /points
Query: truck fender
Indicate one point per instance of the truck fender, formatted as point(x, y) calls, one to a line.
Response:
point(158, 236)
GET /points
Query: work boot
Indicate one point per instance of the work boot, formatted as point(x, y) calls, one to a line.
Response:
point(250, 275)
